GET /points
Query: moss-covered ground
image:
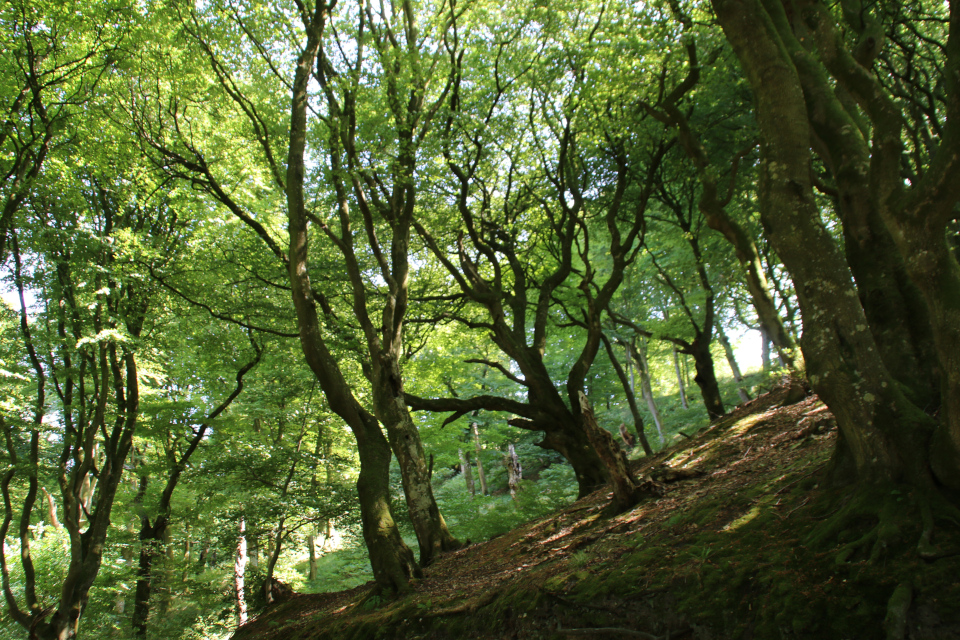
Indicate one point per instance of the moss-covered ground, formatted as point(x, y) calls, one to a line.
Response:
point(734, 549)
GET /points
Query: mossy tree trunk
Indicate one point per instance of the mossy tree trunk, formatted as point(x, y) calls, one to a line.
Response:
point(914, 194)
point(892, 304)
point(626, 493)
point(885, 436)
point(387, 224)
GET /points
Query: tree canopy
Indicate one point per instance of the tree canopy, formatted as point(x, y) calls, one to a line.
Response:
point(274, 270)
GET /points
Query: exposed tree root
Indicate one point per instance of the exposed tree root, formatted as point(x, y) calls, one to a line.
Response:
point(896, 513)
point(470, 606)
point(895, 624)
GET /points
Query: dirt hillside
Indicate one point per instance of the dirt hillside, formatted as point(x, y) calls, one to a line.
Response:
point(725, 553)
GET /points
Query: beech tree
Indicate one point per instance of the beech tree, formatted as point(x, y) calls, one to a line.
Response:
point(813, 82)
point(52, 58)
point(82, 352)
point(554, 179)
point(363, 174)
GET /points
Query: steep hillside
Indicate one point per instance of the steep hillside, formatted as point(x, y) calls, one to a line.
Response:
point(723, 554)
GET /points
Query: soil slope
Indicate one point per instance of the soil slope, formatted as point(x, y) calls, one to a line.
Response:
point(725, 553)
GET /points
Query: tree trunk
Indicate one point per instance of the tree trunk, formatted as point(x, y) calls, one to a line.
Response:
point(151, 537)
point(480, 475)
point(467, 473)
point(765, 350)
point(51, 510)
point(239, 569)
point(640, 352)
point(884, 436)
point(706, 378)
point(277, 548)
point(732, 361)
point(163, 586)
point(312, 546)
point(570, 441)
point(680, 384)
point(187, 555)
point(433, 536)
point(514, 471)
point(253, 546)
point(873, 186)
point(891, 303)
point(627, 386)
point(625, 491)
point(392, 561)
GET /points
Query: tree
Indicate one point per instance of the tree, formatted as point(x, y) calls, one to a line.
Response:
point(83, 344)
point(547, 220)
point(383, 210)
point(713, 205)
point(885, 438)
point(177, 451)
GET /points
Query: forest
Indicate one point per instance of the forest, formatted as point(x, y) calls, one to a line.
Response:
point(304, 295)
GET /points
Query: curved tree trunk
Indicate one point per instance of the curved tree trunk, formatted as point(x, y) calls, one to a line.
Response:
point(627, 386)
point(885, 435)
point(433, 536)
point(872, 186)
point(626, 492)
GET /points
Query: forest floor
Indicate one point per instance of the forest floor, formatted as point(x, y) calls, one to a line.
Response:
point(724, 553)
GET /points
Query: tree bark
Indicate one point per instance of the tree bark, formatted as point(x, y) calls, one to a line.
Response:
point(626, 493)
point(480, 474)
point(884, 436)
point(392, 561)
point(433, 536)
point(153, 535)
point(51, 510)
point(706, 377)
point(915, 209)
point(514, 471)
point(627, 386)
point(467, 473)
point(640, 354)
point(732, 361)
point(764, 350)
point(312, 546)
point(239, 570)
point(892, 304)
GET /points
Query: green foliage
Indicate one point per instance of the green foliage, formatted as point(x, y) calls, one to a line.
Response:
point(342, 569)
